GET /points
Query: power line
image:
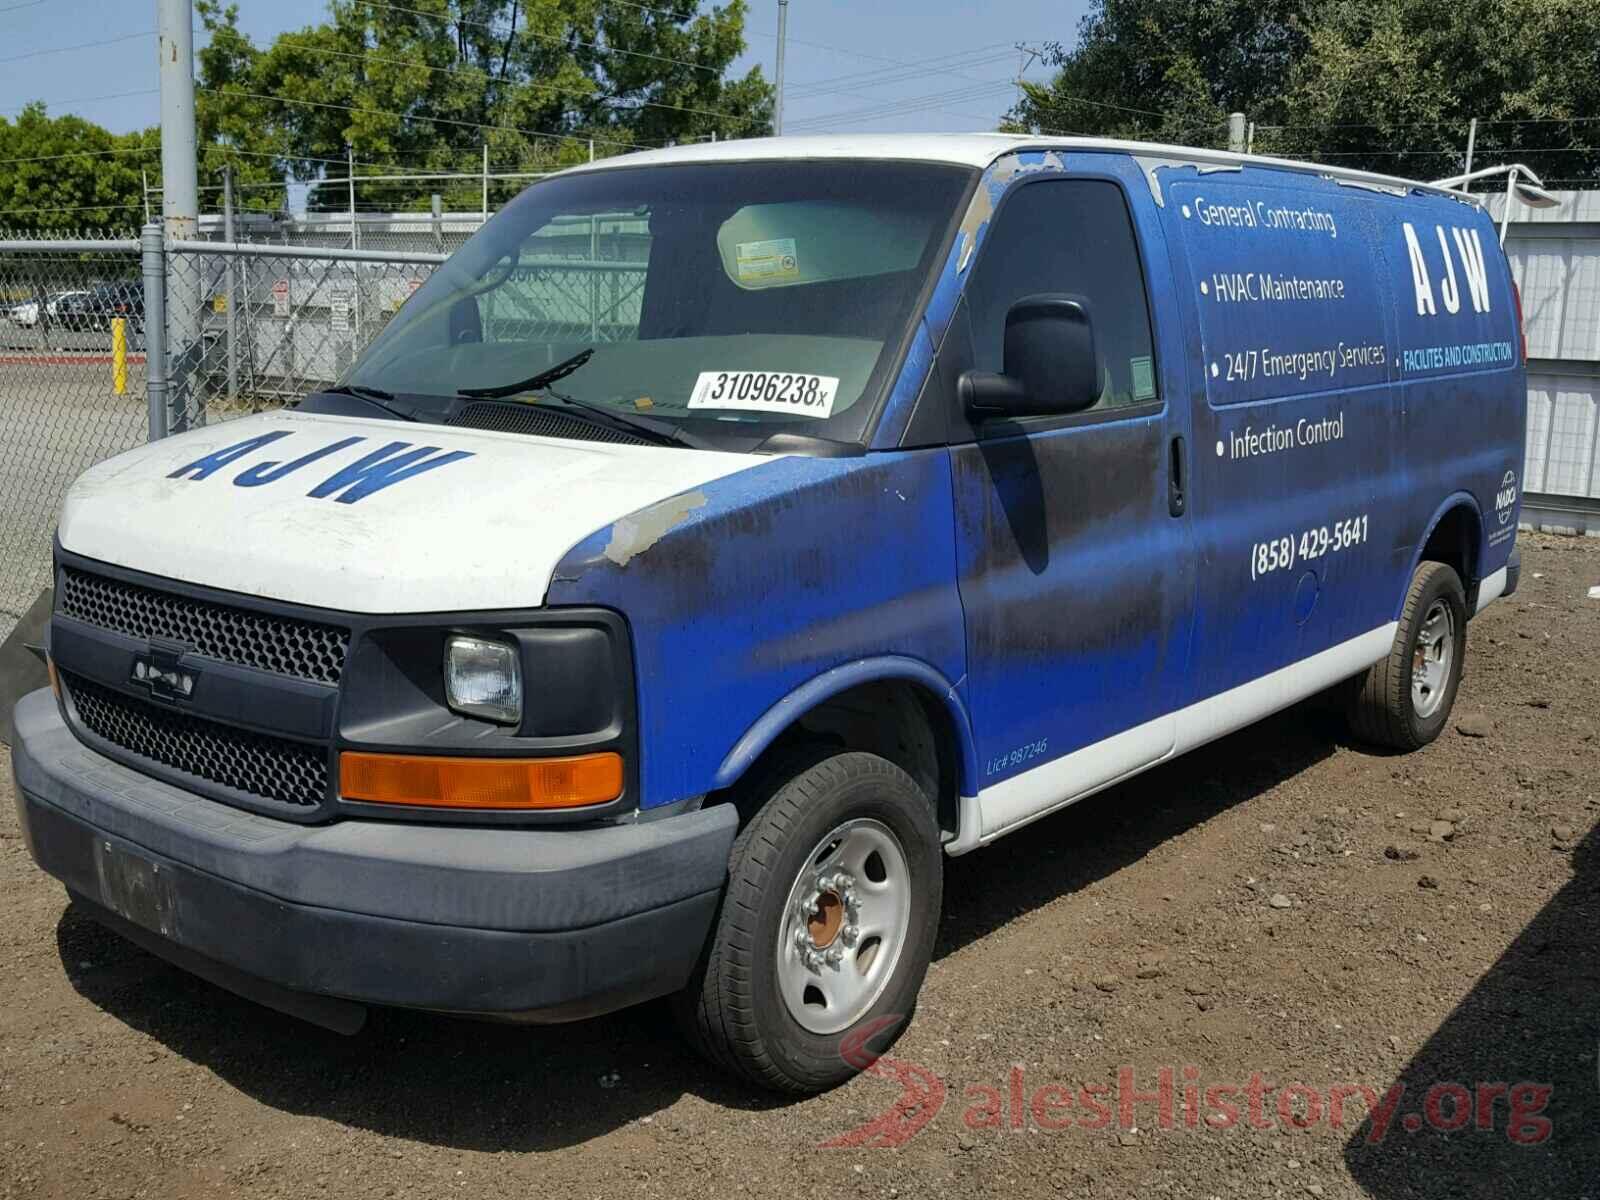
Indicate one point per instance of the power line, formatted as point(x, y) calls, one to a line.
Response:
point(6, 212)
point(82, 154)
point(529, 33)
point(82, 99)
point(909, 105)
point(380, 112)
point(610, 102)
point(127, 37)
point(878, 78)
point(1438, 124)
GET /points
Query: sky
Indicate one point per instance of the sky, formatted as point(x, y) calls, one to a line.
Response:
point(885, 66)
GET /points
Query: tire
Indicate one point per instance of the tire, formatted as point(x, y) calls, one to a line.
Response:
point(735, 1009)
point(1388, 709)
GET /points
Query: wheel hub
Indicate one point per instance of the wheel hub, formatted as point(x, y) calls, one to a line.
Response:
point(1432, 659)
point(844, 926)
point(826, 921)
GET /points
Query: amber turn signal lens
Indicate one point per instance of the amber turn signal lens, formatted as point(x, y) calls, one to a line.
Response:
point(482, 783)
point(55, 680)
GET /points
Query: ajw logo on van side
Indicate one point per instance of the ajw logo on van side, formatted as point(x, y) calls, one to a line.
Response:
point(373, 472)
point(1470, 250)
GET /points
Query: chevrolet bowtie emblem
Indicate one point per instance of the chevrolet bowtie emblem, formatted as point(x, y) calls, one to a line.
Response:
point(158, 670)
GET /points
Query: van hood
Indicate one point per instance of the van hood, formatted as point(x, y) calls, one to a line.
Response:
point(369, 516)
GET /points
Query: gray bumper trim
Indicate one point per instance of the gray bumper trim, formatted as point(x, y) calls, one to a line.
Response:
point(545, 880)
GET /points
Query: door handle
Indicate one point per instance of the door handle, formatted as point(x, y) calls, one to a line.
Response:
point(1177, 500)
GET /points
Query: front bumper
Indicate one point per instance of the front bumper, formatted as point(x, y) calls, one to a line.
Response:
point(549, 924)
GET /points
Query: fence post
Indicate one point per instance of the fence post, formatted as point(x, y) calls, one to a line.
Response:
point(153, 257)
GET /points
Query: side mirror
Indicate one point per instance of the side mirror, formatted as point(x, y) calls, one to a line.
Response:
point(1051, 362)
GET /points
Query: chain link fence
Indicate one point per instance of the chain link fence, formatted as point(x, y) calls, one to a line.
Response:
point(71, 315)
point(255, 327)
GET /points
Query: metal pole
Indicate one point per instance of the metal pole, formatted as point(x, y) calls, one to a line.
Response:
point(145, 175)
point(485, 183)
point(350, 157)
point(594, 280)
point(1236, 132)
point(153, 260)
point(1472, 142)
point(591, 149)
point(232, 289)
point(1511, 198)
point(180, 199)
point(783, 37)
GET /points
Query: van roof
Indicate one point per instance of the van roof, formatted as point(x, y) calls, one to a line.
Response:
point(970, 150)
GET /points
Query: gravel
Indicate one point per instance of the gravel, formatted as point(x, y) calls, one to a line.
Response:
point(120, 1076)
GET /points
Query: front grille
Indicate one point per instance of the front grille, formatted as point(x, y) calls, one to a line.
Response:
point(265, 767)
point(541, 422)
point(282, 645)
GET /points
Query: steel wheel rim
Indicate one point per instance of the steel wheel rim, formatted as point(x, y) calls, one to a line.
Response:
point(1432, 659)
point(844, 926)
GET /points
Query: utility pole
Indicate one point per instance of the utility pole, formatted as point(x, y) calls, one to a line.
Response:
point(1236, 133)
point(485, 182)
point(1472, 143)
point(783, 37)
point(180, 195)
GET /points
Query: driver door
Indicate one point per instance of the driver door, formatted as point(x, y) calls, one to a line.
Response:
point(1072, 535)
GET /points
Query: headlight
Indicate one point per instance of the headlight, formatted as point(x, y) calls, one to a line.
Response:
point(483, 679)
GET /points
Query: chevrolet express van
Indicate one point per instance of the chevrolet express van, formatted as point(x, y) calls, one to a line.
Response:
point(726, 533)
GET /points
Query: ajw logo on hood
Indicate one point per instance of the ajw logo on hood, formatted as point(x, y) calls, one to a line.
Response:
point(384, 467)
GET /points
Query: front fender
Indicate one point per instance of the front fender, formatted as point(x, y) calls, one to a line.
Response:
point(758, 594)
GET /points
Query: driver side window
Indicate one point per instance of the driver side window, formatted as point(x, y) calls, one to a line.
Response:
point(1075, 236)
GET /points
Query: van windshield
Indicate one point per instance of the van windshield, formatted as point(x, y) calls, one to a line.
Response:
point(730, 301)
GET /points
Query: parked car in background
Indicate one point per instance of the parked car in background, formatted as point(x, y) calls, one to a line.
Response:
point(27, 315)
point(105, 304)
point(74, 312)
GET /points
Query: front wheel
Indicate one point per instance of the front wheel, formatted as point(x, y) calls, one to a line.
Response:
point(1405, 700)
point(827, 925)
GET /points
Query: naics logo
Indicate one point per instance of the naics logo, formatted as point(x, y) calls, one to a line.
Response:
point(1505, 500)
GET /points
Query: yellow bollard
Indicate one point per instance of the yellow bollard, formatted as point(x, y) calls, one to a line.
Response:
point(119, 355)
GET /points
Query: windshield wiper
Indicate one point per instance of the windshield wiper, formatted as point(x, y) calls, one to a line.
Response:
point(376, 397)
point(534, 382)
point(661, 432)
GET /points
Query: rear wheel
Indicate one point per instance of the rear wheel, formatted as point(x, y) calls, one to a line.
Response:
point(827, 925)
point(1405, 700)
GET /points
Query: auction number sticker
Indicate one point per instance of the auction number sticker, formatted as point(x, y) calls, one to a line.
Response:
point(766, 391)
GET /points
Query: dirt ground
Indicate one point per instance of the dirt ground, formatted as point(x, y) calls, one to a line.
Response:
point(1280, 906)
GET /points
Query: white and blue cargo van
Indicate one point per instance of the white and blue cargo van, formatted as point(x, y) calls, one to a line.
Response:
point(884, 495)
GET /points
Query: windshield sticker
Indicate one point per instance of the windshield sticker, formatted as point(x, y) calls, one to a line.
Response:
point(766, 391)
point(772, 261)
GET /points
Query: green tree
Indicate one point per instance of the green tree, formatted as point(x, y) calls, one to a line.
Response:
point(1168, 70)
point(1391, 85)
point(1385, 85)
point(233, 130)
point(422, 85)
point(62, 174)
